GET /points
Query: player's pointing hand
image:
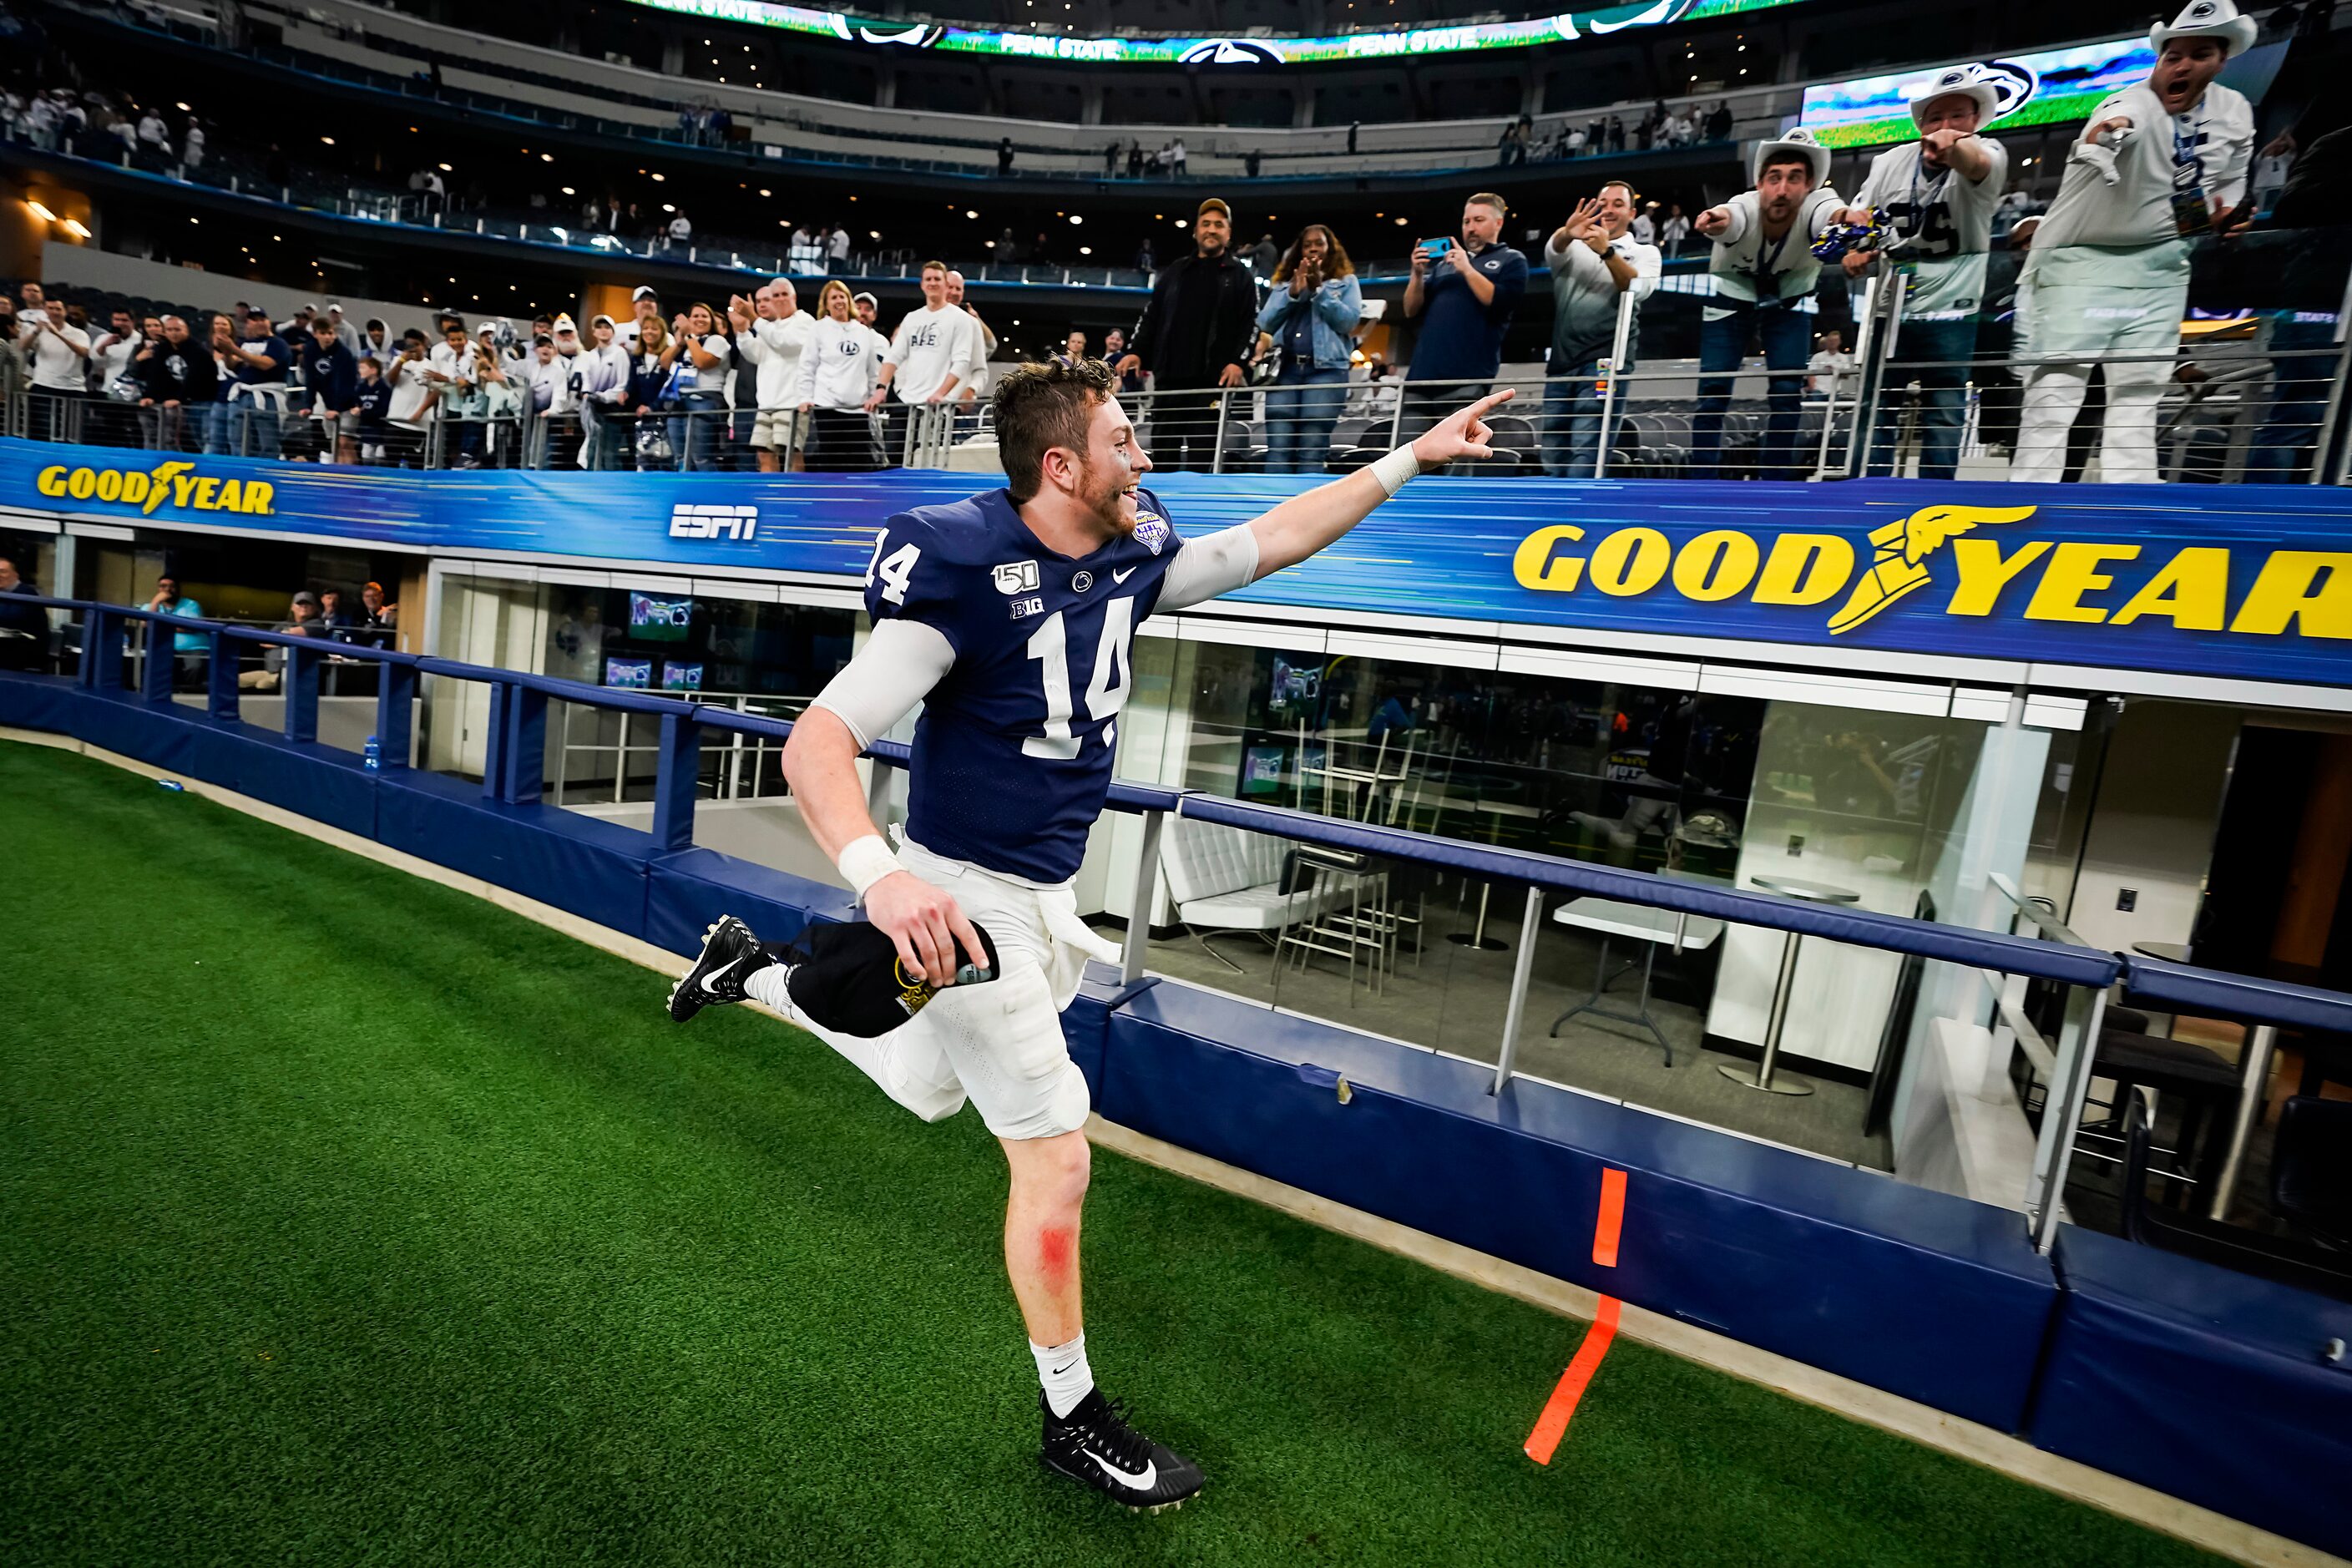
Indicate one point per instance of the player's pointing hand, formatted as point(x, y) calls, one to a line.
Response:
point(1463, 433)
point(926, 925)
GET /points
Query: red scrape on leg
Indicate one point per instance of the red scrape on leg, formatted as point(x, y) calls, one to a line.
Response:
point(1057, 1246)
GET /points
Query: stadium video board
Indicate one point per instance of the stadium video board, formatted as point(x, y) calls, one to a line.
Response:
point(1566, 27)
point(2048, 88)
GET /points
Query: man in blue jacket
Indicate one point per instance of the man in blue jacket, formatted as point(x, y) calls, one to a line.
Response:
point(332, 376)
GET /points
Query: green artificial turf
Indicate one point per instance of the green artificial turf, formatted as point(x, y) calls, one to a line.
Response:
point(346, 1219)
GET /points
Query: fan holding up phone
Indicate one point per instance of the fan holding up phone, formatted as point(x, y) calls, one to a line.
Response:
point(1461, 295)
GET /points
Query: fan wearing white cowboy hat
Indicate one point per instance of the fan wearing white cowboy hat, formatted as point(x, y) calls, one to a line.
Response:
point(2106, 280)
point(1762, 275)
point(1938, 194)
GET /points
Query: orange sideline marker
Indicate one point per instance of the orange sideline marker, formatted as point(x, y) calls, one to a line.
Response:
point(1613, 1218)
point(1553, 1422)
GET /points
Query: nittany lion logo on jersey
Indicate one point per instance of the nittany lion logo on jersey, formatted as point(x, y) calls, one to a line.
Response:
point(1151, 531)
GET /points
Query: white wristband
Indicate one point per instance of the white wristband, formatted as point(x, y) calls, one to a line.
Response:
point(1395, 468)
point(865, 861)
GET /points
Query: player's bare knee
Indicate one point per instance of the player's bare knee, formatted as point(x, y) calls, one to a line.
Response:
point(1053, 1172)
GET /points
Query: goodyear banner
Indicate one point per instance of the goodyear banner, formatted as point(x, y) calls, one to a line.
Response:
point(2253, 581)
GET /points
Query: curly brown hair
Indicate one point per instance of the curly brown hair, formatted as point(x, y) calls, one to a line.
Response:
point(1335, 257)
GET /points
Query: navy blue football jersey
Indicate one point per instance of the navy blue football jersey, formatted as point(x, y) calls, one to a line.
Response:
point(1013, 752)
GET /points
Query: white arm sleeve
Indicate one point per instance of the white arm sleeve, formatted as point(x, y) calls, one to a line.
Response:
point(895, 669)
point(1211, 565)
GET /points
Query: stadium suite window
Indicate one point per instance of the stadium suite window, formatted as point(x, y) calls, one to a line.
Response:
point(779, 656)
point(1558, 766)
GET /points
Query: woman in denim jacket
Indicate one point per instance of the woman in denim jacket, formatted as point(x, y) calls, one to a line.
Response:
point(1310, 312)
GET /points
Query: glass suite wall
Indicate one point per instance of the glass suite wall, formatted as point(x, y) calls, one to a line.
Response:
point(701, 642)
point(1901, 812)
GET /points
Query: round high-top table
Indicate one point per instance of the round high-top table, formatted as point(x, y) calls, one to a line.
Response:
point(1761, 1075)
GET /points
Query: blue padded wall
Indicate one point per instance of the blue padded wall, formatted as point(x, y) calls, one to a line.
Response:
point(1930, 1297)
point(1086, 1024)
point(319, 782)
point(593, 867)
point(40, 702)
point(686, 890)
point(2203, 1382)
point(163, 735)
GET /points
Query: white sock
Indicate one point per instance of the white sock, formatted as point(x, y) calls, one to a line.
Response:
point(766, 986)
point(1064, 1371)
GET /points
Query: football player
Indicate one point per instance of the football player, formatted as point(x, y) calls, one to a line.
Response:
point(1010, 618)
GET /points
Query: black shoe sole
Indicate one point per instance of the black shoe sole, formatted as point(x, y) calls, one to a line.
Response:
point(695, 974)
point(1048, 1460)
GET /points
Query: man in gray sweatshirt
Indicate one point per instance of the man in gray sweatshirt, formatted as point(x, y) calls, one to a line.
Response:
point(1596, 265)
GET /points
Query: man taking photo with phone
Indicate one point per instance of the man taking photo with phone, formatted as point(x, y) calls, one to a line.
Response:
point(1463, 295)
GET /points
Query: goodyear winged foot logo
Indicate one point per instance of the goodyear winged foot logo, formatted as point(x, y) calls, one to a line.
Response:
point(175, 483)
point(2243, 587)
point(1902, 548)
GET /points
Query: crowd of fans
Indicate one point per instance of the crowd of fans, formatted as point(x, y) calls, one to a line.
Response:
point(99, 124)
point(770, 380)
point(1662, 127)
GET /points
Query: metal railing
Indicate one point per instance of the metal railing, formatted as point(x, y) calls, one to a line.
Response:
point(515, 770)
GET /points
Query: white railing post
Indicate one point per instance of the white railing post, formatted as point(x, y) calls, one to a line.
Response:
point(2255, 1073)
point(2062, 1111)
point(1616, 369)
point(1138, 914)
point(1530, 924)
point(1873, 383)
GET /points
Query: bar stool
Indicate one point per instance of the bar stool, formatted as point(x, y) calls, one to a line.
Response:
point(2206, 1084)
point(1348, 895)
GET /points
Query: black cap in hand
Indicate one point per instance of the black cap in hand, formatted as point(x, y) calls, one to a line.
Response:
point(847, 978)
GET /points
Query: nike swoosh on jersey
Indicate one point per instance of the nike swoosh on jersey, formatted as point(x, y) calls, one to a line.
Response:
point(1143, 1481)
point(1123, 576)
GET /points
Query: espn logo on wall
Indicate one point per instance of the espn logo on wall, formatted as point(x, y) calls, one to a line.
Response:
point(713, 521)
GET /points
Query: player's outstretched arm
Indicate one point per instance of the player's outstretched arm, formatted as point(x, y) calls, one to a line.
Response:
point(1306, 523)
point(821, 765)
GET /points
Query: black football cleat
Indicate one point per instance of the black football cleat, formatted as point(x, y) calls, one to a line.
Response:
point(730, 955)
point(1094, 1444)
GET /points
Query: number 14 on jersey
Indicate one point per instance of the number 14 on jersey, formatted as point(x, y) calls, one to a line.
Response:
point(1049, 649)
point(1106, 690)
